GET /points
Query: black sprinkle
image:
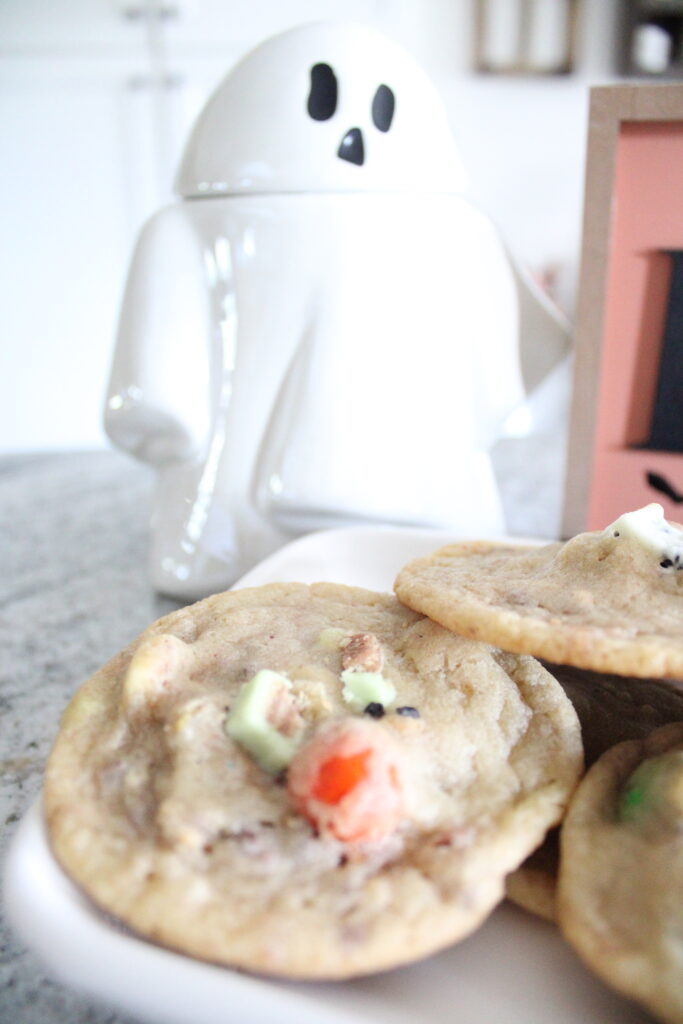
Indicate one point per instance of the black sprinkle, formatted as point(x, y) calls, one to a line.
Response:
point(616, 533)
point(374, 709)
point(665, 563)
point(408, 711)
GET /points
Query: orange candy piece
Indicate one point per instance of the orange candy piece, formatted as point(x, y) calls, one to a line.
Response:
point(338, 776)
point(347, 781)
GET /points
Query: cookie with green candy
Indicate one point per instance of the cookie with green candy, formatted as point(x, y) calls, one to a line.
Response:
point(611, 709)
point(621, 871)
point(307, 781)
point(609, 600)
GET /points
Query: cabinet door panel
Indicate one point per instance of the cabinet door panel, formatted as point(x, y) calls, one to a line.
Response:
point(76, 180)
point(35, 27)
point(214, 23)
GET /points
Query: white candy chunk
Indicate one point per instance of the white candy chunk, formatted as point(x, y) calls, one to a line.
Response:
point(363, 688)
point(649, 528)
point(331, 637)
point(265, 721)
point(154, 673)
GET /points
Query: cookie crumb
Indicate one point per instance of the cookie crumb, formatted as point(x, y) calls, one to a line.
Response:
point(362, 652)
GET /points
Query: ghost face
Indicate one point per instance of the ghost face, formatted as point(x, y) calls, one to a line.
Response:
point(322, 105)
point(323, 108)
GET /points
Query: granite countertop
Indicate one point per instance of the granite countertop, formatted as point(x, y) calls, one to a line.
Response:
point(74, 591)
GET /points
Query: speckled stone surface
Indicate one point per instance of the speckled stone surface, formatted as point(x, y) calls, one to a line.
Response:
point(74, 590)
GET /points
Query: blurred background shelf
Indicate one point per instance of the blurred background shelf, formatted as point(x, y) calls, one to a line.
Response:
point(527, 37)
point(651, 39)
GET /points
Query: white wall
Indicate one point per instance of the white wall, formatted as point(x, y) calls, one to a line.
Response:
point(523, 138)
point(67, 102)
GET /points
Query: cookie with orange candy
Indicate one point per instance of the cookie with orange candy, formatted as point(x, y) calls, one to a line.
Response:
point(307, 781)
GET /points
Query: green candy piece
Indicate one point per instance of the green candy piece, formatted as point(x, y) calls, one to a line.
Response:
point(653, 789)
point(248, 722)
point(637, 794)
point(631, 802)
point(363, 688)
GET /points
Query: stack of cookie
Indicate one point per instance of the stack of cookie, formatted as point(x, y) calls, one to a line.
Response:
point(604, 612)
point(322, 781)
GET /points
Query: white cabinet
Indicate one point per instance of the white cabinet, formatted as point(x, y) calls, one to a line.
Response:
point(70, 28)
point(76, 175)
point(96, 100)
point(202, 24)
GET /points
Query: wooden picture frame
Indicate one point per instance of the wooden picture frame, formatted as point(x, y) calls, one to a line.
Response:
point(633, 222)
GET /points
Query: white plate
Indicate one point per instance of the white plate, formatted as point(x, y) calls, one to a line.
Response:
point(514, 970)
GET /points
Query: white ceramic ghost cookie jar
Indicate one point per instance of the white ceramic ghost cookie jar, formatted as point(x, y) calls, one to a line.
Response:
point(322, 330)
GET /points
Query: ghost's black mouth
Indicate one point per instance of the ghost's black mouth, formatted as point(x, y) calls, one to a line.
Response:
point(351, 147)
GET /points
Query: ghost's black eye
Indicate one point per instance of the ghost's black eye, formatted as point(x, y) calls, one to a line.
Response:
point(383, 108)
point(322, 99)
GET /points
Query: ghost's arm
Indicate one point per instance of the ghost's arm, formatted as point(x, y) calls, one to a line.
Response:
point(544, 332)
point(158, 400)
point(524, 336)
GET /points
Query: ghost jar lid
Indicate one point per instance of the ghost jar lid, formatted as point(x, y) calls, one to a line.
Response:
point(325, 107)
